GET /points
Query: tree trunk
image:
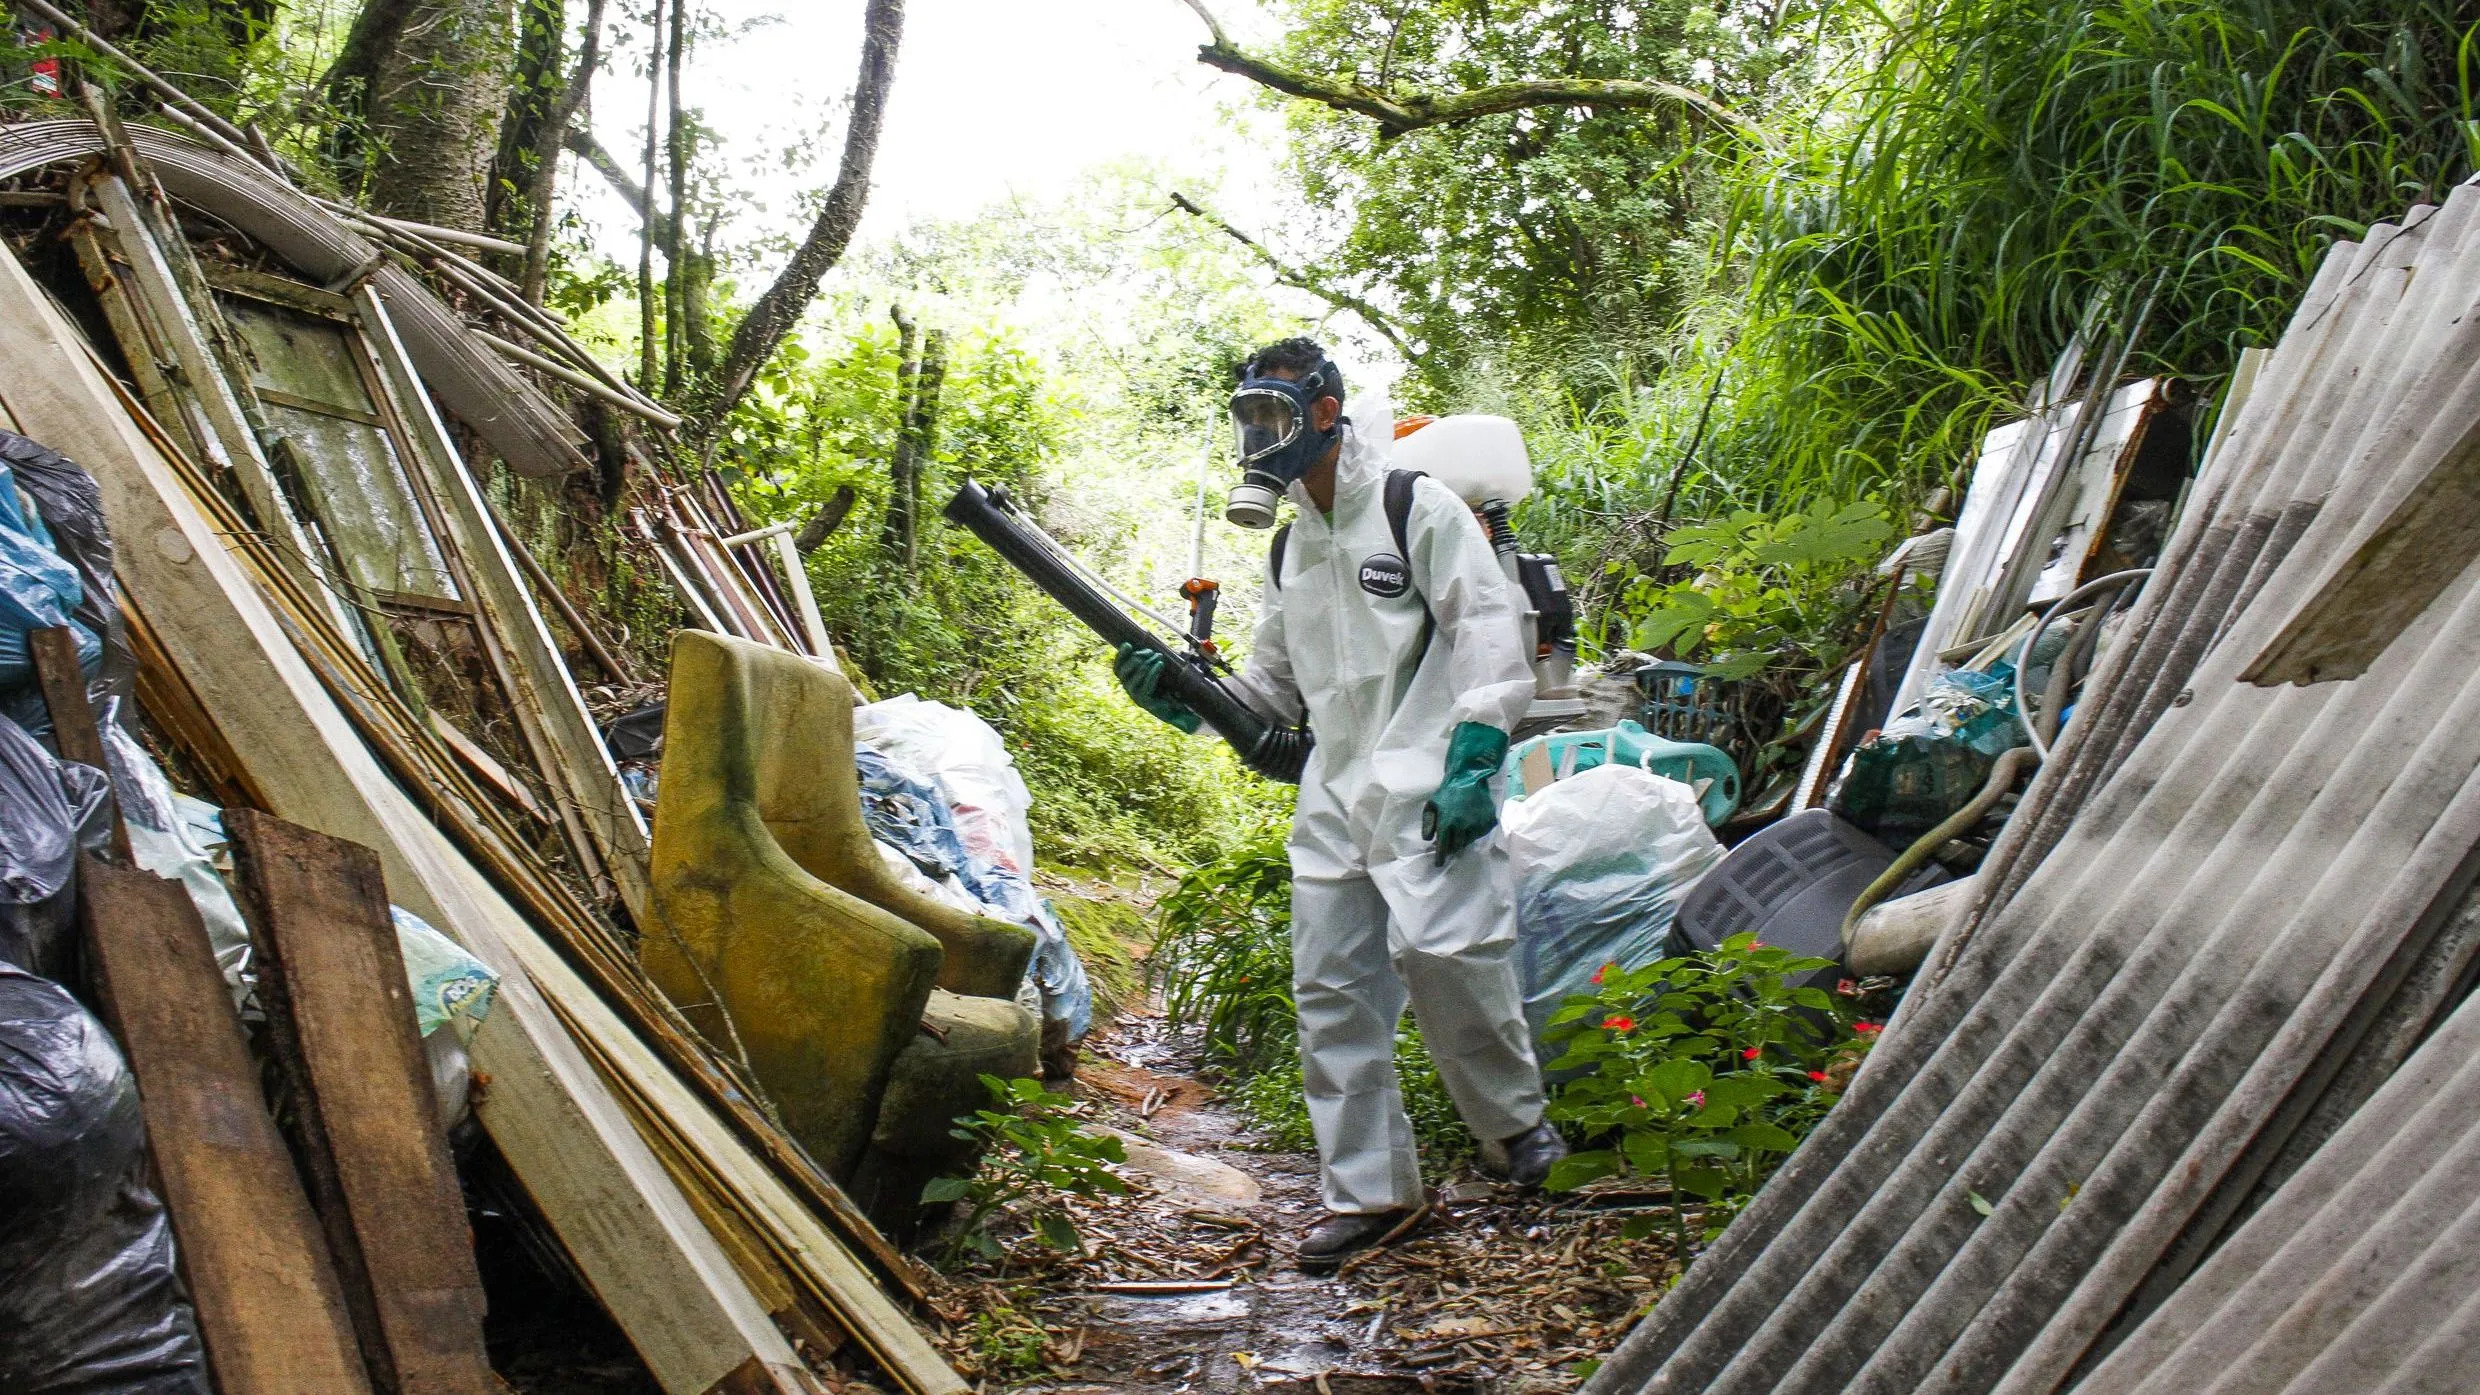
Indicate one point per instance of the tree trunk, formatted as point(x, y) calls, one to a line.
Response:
point(763, 330)
point(540, 198)
point(896, 524)
point(676, 245)
point(435, 104)
point(534, 97)
point(648, 348)
point(915, 440)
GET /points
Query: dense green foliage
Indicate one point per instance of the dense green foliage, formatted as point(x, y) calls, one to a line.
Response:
point(1701, 1072)
point(1553, 236)
point(1033, 1153)
point(1932, 199)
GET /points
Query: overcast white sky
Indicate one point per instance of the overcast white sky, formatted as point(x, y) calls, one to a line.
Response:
point(992, 98)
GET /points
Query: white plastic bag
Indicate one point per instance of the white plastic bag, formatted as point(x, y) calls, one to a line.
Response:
point(966, 754)
point(165, 841)
point(964, 757)
point(1602, 861)
point(949, 889)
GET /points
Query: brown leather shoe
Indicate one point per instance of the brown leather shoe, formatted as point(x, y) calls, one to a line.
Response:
point(1346, 1233)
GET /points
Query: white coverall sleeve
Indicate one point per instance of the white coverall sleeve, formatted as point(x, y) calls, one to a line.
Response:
point(1476, 608)
point(1265, 683)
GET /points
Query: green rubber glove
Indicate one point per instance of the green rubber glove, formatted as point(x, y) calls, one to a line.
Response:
point(1140, 672)
point(1463, 808)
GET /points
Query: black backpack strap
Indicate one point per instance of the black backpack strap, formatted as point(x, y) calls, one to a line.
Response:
point(1274, 555)
point(1399, 510)
point(1399, 487)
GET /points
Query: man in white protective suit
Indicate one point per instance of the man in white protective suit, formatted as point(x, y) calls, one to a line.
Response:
point(1388, 622)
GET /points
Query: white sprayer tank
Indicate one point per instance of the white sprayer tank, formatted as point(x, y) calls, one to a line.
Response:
point(1481, 458)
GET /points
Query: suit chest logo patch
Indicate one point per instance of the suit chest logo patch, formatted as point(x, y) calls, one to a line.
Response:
point(1384, 574)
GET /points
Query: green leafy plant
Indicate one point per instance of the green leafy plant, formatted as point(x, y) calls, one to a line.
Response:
point(1006, 1341)
point(1033, 1153)
point(1224, 951)
point(1762, 586)
point(1702, 1071)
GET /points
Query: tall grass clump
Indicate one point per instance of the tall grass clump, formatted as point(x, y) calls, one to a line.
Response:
point(1916, 238)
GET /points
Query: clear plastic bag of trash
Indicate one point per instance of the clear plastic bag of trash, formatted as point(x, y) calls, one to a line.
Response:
point(49, 810)
point(963, 759)
point(966, 755)
point(1601, 861)
point(89, 1299)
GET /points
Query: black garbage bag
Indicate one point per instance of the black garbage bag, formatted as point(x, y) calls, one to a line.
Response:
point(89, 1300)
point(70, 504)
point(49, 809)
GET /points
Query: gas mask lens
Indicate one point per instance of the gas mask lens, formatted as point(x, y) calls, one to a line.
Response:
point(1263, 422)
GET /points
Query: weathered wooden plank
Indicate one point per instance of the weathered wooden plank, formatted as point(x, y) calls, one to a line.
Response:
point(342, 1020)
point(74, 733)
point(633, 1235)
point(2427, 539)
point(269, 1307)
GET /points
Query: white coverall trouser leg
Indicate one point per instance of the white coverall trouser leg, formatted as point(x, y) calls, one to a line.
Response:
point(1443, 939)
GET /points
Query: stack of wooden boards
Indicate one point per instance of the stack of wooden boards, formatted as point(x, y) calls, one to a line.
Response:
point(711, 1239)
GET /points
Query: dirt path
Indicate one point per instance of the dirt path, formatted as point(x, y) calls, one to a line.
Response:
point(1498, 1291)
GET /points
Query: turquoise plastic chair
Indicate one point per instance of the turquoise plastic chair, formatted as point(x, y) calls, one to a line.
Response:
point(1705, 769)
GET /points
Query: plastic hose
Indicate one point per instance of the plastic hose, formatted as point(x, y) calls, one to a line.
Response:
point(2001, 779)
point(2040, 744)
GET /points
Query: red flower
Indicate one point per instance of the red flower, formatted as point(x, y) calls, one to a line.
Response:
point(1752, 1053)
point(1640, 1100)
point(1618, 1022)
point(1847, 988)
point(1867, 1029)
point(1696, 1100)
point(1606, 968)
point(1818, 1076)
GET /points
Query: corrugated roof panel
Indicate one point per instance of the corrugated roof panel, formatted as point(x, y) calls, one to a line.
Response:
point(2207, 882)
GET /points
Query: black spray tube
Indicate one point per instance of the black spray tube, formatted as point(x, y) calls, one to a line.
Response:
point(1276, 752)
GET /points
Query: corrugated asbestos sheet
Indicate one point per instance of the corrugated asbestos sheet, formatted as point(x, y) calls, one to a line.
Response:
point(2220, 921)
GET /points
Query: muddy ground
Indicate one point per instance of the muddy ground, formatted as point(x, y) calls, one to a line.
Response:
point(1498, 1291)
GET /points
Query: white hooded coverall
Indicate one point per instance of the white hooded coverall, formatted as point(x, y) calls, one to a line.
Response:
point(1374, 918)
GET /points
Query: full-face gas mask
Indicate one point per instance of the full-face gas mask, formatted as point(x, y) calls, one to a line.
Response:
point(1272, 427)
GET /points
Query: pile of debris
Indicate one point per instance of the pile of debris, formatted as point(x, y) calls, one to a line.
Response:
point(267, 564)
point(2180, 1099)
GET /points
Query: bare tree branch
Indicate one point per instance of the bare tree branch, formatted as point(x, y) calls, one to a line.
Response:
point(1397, 111)
point(772, 318)
point(582, 144)
point(829, 517)
point(1291, 276)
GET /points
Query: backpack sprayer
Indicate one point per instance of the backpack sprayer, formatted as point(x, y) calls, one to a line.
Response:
point(1482, 458)
point(1276, 752)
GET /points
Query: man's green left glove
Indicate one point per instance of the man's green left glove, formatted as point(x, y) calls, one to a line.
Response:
point(1140, 673)
point(1463, 808)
